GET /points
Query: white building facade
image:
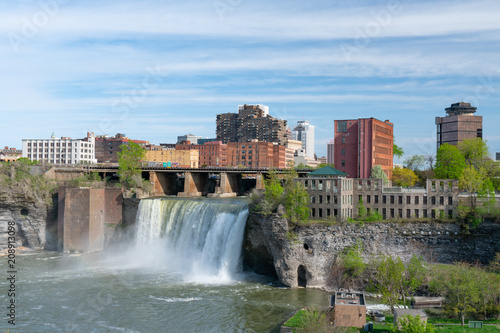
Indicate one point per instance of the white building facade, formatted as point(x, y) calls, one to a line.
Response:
point(304, 132)
point(61, 150)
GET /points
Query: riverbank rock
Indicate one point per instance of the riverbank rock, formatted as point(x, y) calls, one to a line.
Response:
point(304, 257)
point(36, 223)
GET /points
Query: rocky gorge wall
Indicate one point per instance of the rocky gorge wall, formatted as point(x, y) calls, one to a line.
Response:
point(36, 223)
point(305, 257)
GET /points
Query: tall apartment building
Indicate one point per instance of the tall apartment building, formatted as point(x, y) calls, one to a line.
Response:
point(212, 154)
point(251, 122)
point(257, 154)
point(62, 150)
point(330, 152)
point(360, 144)
point(304, 132)
point(107, 148)
point(459, 124)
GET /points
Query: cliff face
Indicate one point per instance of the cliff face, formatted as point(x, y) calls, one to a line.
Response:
point(36, 223)
point(306, 259)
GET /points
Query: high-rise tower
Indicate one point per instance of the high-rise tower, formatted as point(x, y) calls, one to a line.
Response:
point(459, 124)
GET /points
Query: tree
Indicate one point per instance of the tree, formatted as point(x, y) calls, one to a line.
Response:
point(394, 279)
point(411, 324)
point(296, 198)
point(378, 173)
point(404, 177)
point(459, 285)
point(414, 162)
point(386, 279)
point(413, 277)
point(449, 162)
point(353, 260)
point(322, 165)
point(397, 151)
point(129, 164)
point(471, 181)
point(475, 151)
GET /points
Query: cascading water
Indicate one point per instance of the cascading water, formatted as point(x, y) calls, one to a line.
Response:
point(200, 238)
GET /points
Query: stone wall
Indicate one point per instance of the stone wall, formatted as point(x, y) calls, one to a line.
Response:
point(315, 248)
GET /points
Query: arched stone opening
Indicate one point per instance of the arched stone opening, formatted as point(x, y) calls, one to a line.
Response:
point(302, 276)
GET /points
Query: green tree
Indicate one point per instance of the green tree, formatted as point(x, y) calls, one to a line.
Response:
point(459, 285)
point(322, 165)
point(378, 173)
point(404, 177)
point(414, 162)
point(475, 151)
point(413, 277)
point(388, 272)
point(361, 209)
point(449, 162)
point(397, 151)
point(353, 260)
point(296, 198)
point(129, 164)
point(411, 324)
point(471, 181)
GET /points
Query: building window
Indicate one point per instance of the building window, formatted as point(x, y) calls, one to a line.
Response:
point(433, 200)
point(384, 199)
point(342, 126)
point(416, 200)
point(408, 213)
point(400, 199)
point(416, 213)
point(343, 163)
point(343, 139)
point(408, 200)
point(425, 213)
point(392, 199)
point(343, 151)
point(450, 201)
point(425, 200)
point(376, 199)
point(368, 199)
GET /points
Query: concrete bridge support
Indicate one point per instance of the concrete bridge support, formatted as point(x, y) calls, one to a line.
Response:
point(259, 182)
point(195, 185)
point(163, 183)
point(230, 186)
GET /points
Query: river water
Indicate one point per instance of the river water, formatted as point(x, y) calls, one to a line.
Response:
point(180, 272)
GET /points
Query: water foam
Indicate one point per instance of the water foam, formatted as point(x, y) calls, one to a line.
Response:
point(201, 239)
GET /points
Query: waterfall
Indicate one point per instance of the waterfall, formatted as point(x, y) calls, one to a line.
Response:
point(200, 238)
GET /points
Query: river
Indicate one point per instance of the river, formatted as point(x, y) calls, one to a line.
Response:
point(180, 273)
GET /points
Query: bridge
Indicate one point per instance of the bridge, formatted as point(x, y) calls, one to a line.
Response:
point(216, 182)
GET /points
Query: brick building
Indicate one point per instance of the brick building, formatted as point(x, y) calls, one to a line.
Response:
point(459, 124)
point(211, 154)
point(350, 309)
point(10, 154)
point(336, 197)
point(107, 148)
point(251, 122)
point(256, 154)
point(173, 158)
point(360, 144)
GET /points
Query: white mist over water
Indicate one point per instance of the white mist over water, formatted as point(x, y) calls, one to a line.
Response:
point(199, 238)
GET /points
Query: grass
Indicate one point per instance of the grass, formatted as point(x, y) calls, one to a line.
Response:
point(449, 328)
point(295, 320)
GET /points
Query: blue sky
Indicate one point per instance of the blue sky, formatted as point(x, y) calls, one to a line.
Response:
point(158, 69)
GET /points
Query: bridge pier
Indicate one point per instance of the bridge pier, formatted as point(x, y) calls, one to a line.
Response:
point(163, 183)
point(230, 185)
point(259, 182)
point(195, 185)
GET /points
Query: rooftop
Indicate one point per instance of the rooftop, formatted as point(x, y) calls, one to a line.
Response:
point(460, 108)
point(347, 299)
point(327, 171)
